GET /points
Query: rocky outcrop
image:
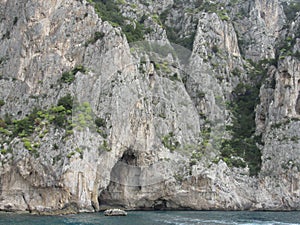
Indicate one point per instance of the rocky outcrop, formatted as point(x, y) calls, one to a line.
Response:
point(89, 121)
point(115, 212)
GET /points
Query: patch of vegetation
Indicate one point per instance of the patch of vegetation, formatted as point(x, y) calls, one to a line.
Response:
point(134, 32)
point(223, 15)
point(156, 18)
point(178, 177)
point(175, 77)
point(174, 37)
point(109, 11)
point(15, 20)
point(3, 151)
point(204, 146)
point(97, 36)
point(60, 115)
point(35, 124)
point(280, 124)
point(174, 34)
point(285, 48)
point(23, 127)
point(3, 60)
point(200, 94)
point(27, 144)
point(236, 72)
point(80, 151)
point(169, 141)
point(100, 122)
point(70, 154)
point(242, 149)
point(215, 49)
point(82, 116)
point(164, 15)
point(105, 146)
point(2, 102)
point(235, 162)
point(243, 144)
point(101, 125)
point(209, 6)
point(218, 8)
point(291, 8)
point(31, 146)
point(69, 77)
point(66, 102)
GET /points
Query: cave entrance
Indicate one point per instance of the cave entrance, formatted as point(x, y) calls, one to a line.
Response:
point(124, 181)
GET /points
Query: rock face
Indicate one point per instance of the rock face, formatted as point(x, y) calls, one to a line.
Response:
point(90, 121)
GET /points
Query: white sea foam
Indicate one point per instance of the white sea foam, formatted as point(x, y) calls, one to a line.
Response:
point(177, 220)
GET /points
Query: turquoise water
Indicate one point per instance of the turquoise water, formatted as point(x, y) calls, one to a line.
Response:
point(158, 218)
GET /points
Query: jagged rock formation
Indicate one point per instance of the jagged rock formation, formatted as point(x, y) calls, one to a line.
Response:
point(89, 120)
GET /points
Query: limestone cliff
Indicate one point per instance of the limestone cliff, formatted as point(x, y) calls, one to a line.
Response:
point(149, 105)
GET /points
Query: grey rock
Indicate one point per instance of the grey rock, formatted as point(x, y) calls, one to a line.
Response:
point(115, 212)
point(155, 101)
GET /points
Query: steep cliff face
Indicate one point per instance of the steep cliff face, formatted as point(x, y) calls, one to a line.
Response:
point(161, 114)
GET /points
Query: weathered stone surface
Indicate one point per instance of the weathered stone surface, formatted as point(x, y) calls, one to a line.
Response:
point(154, 101)
point(115, 212)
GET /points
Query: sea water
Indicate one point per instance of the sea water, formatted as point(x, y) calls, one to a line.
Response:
point(158, 218)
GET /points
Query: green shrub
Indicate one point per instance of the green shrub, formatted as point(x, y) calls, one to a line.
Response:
point(243, 143)
point(211, 7)
point(193, 162)
point(132, 33)
point(197, 155)
point(2, 102)
point(102, 133)
point(66, 102)
point(5, 131)
point(97, 36)
point(236, 72)
point(69, 77)
point(178, 177)
point(2, 123)
point(291, 8)
point(83, 116)
point(3, 151)
point(23, 126)
point(105, 146)
point(223, 15)
point(215, 49)
point(169, 141)
point(164, 15)
point(109, 11)
point(100, 122)
point(175, 77)
point(27, 144)
point(37, 145)
point(173, 36)
point(156, 18)
point(70, 154)
point(60, 120)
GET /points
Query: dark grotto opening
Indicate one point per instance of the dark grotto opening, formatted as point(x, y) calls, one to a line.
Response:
point(124, 181)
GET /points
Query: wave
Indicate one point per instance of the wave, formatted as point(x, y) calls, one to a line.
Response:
point(179, 220)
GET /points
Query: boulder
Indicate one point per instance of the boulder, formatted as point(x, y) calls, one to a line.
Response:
point(115, 212)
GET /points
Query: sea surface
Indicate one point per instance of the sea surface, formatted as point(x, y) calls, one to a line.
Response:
point(157, 218)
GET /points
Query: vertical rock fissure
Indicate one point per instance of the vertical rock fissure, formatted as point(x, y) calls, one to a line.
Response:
point(297, 106)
